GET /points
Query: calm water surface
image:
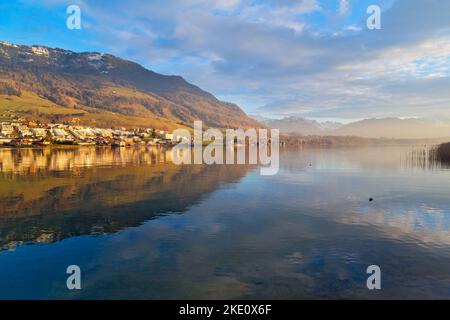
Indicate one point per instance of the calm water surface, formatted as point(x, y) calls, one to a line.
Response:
point(141, 227)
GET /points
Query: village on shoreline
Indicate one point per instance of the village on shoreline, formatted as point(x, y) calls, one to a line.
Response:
point(26, 134)
point(19, 132)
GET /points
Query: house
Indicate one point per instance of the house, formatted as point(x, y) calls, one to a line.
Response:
point(39, 132)
point(61, 135)
point(7, 130)
point(5, 141)
point(104, 133)
point(24, 131)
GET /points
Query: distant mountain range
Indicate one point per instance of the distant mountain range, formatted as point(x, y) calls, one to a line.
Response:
point(104, 90)
point(300, 125)
point(369, 128)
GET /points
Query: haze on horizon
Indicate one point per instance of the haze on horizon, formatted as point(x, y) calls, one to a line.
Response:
point(275, 58)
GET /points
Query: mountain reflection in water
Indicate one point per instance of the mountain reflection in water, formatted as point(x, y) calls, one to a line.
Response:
point(141, 227)
point(50, 194)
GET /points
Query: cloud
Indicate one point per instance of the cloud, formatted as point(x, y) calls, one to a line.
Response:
point(344, 7)
point(226, 4)
point(290, 56)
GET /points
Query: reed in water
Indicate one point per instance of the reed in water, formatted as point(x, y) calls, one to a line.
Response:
point(441, 153)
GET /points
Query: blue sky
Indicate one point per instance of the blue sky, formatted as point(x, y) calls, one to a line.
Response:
point(312, 58)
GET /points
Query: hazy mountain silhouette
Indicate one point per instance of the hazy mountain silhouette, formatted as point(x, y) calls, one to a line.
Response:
point(391, 128)
point(396, 128)
point(300, 125)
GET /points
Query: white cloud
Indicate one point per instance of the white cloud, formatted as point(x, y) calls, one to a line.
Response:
point(270, 53)
point(227, 4)
point(404, 80)
point(353, 28)
point(344, 7)
point(304, 6)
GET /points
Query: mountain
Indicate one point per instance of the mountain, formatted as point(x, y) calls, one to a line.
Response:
point(301, 126)
point(396, 128)
point(391, 128)
point(104, 90)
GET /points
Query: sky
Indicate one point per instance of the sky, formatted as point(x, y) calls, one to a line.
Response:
point(274, 58)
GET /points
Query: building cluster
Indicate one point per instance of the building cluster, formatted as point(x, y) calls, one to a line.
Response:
point(22, 134)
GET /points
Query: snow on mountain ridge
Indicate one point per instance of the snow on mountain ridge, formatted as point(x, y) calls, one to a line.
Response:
point(41, 51)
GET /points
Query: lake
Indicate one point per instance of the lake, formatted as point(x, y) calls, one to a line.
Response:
point(140, 227)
